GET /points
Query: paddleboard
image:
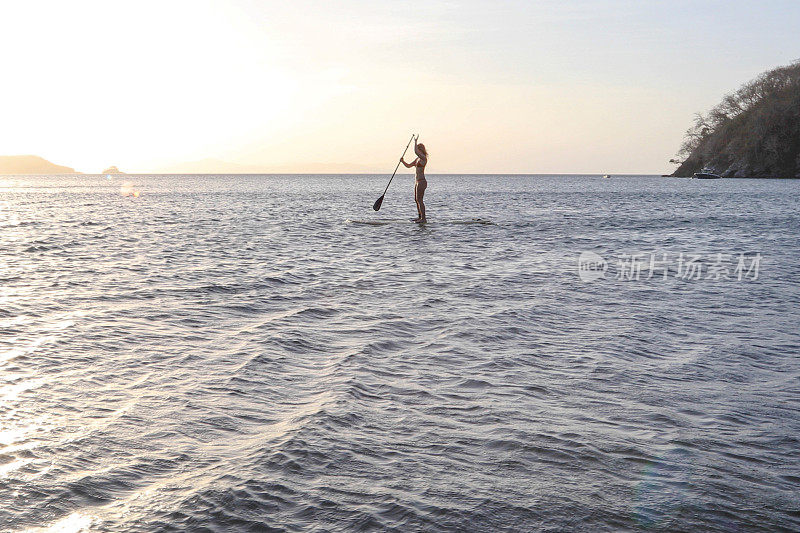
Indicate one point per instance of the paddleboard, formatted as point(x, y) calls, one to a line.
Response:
point(387, 221)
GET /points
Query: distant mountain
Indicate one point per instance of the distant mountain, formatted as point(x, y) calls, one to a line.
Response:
point(30, 164)
point(752, 133)
point(218, 166)
point(112, 170)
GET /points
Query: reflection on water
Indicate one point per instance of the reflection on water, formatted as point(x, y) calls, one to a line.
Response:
point(242, 352)
point(73, 523)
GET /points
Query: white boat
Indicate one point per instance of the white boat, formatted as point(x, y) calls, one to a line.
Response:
point(706, 174)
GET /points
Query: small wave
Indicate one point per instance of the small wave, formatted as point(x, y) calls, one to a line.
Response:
point(318, 312)
point(475, 384)
point(41, 248)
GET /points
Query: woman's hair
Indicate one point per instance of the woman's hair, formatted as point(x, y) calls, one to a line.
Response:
point(422, 149)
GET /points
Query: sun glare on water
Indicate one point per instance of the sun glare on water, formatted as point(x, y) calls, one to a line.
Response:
point(129, 189)
point(74, 523)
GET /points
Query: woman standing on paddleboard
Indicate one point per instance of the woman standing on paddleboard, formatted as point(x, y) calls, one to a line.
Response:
point(420, 184)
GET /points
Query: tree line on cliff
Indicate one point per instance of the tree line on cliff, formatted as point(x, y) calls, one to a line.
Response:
point(753, 132)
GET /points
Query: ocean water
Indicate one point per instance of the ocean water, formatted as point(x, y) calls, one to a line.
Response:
point(266, 353)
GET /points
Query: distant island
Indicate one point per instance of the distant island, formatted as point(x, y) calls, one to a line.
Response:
point(753, 133)
point(112, 170)
point(31, 164)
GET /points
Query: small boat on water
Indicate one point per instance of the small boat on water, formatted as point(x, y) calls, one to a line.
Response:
point(706, 174)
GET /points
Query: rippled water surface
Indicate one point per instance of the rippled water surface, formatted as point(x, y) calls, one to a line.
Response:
point(249, 353)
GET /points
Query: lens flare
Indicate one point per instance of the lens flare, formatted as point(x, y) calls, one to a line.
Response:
point(129, 189)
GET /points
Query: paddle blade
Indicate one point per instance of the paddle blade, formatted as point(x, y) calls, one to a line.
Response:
point(377, 204)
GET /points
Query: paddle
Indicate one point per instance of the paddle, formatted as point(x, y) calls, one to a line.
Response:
point(379, 201)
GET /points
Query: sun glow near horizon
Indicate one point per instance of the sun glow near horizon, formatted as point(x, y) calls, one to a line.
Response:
point(139, 84)
point(514, 88)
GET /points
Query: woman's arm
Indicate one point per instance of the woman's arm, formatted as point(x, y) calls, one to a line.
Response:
point(409, 165)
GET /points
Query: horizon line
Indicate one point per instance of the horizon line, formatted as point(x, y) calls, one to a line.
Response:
point(341, 174)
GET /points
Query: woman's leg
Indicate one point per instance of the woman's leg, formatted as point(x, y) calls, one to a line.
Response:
point(416, 200)
point(420, 203)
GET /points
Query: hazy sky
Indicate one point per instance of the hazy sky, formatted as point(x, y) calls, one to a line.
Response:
point(498, 86)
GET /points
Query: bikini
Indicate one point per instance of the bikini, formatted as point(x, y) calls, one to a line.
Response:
point(420, 169)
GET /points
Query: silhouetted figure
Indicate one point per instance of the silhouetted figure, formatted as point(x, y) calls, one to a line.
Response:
point(420, 184)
